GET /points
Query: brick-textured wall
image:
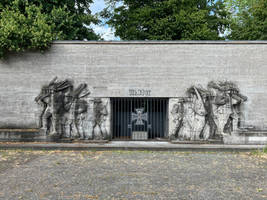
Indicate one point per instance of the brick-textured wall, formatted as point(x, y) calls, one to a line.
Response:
point(112, 69)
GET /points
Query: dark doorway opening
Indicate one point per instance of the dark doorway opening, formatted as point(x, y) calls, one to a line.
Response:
point(139, 115)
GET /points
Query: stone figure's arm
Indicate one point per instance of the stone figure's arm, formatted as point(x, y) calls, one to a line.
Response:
point(81, 91)
point(239, 97)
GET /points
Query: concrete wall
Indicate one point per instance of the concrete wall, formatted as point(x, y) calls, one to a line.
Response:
point(155, 69)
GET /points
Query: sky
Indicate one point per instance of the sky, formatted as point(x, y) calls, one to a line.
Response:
point(105, 31)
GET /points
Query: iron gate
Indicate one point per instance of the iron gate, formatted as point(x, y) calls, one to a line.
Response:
point(145, 115)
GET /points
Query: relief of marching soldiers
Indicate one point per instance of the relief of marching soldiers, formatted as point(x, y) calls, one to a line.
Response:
point(204, 114)
point(67, 112)
point(207, 113)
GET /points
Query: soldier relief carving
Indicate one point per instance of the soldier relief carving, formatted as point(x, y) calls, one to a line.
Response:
point(207, 113)
point(69, 112)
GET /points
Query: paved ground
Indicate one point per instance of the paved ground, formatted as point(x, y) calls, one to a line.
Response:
point(131, 175)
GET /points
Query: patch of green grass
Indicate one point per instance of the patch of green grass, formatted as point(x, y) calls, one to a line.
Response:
point(260, 151)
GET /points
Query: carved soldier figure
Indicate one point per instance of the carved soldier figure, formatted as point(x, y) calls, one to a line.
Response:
point(100, 115)
point(208, 113)
point(177, 113)
point(194, 116)
point(197, 115)
point(226, 106)
point(76, 107)
point(52, 100)
point(63, 108)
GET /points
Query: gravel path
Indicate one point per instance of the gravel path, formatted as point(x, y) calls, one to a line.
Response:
point(71, 175)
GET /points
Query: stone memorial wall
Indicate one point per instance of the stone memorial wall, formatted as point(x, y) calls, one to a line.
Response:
point(67, 89)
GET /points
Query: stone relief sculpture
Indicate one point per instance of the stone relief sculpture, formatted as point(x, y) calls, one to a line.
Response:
point(76, 108)
point(100, 117)
point(53, 100)
point(207, 113)
point(68, 112)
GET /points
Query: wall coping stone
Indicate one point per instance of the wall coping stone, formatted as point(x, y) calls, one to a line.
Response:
point(180, 42)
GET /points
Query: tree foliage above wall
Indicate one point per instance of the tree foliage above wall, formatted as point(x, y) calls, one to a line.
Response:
point(249, 19)
point(34, 24)
point(167, 19)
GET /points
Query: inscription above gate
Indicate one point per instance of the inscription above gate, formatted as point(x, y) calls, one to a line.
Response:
point(140, 92)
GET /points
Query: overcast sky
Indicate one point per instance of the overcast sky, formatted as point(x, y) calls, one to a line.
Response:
point(105, 31)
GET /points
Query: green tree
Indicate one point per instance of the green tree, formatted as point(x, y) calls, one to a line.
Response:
point(235, 6)
point(35, 24)
point(167, 19)
point(249, 22)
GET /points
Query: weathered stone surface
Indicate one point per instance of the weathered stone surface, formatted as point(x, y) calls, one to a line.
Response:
point(249, 137)
point(22, 135)
point(116, 70)
point(207, 113)
point(69, 113)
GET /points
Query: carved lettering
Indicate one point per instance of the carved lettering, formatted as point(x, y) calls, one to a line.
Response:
point(139, 92)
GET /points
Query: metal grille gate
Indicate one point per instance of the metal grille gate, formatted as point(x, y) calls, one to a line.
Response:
point(147, 115)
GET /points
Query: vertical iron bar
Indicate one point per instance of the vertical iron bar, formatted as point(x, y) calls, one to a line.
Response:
point(166, 117)
point(155, 113)
point(112, 115)
point(119, 120)
point(154, 118)
point(163, 118)
point(131, 118)
point(126, 117)
point(114, 118)
point(147, 117)
point(160, 113)
point(118, 117)
point(140, 106)
point(163, 113)
point(144, 104)
point(160, 117)
point(150, 122)
point(122, 117)
point(157, 118)
point(133, 126)
point(137, 106)
point(152, 115)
